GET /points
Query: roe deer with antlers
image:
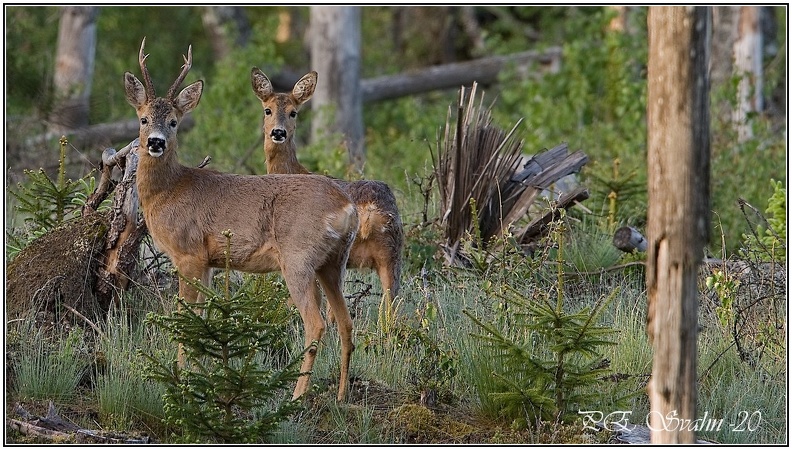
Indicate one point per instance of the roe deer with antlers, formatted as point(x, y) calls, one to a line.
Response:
point(301, 226)
point(380, 236)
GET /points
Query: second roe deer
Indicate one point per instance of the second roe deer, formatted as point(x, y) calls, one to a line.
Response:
point(380, 237)
point(301, 226)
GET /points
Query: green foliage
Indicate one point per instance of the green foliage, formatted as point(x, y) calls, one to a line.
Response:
point(760, 157)
point(550, 357)
point(725, 286)
point(125, 397)
point(226, 392)
point(399, 136)
point(590, 248)
point(46, 200)
point(27, 68)
point(46, 203)
point(229, 118)
point(117, 48)
point(431, 361)
point(596, 102)
point(769, 243)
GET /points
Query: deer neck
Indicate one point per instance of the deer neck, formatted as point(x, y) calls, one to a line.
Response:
point(157, 176)
point(282, 158)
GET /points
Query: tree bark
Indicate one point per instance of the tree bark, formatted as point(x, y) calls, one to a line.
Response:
point(74, 65)
point(335, 55)
point(678, 215)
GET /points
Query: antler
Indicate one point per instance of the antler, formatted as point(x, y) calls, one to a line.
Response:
point(149, 86)
point(185, 69)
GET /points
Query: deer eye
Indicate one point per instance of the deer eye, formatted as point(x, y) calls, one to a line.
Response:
point(293, 114)
point(173, 123)
point(267, 112)
point(143, 120)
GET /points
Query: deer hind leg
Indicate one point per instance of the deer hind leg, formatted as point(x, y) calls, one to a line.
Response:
point(388, 270)
point(306, 296)
point(331, 279)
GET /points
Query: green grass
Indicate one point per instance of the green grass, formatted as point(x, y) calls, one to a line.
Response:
point(48, 367)
point(124, 397)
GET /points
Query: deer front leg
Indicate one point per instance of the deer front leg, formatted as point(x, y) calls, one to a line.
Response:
point(189, 293)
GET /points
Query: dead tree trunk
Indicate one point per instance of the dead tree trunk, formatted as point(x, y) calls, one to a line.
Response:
point(678, 216)
point(748, 66)
point(227, 27)
point(126, 229)
point(335, 54)
point(74, 63)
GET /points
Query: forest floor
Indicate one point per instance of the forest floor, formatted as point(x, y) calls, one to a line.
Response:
point(391, 413)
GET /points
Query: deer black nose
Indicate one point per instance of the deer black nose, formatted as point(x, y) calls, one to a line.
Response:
point(278, 134)
point(156, 145)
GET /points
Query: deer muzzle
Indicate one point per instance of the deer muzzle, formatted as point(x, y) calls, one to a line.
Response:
point(155, 146)
point(278, 135)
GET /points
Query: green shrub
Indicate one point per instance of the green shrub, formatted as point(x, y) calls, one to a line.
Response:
point(230, 389)
point(768, 242)
point(45, 203)
point(548, 358)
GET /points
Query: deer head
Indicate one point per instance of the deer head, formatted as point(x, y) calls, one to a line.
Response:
point(160, 117)
point(280, 120)
point(280, 110)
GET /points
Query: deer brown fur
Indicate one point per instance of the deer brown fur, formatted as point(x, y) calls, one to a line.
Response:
point(380, 237)
point(302, 226)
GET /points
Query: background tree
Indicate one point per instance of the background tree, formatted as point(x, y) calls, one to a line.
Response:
point(74, 66)
point(335, 55)
point(227, 27)
point(678, 216)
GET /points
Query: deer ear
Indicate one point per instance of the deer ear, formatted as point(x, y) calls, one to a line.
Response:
point(304, 88)
point(261, 84)
point(135, 93)
point(189, 97)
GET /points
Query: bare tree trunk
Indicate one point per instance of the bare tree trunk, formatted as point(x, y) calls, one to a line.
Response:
point(74, 65)
point(748, 66)
point(678, 216)
point(724, 32)
point(227, 27)
point(335, 55)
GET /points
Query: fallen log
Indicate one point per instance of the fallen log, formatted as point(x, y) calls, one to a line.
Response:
point(628, 239)
point(100, 135)
point(56, 429)
point(445, 76)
